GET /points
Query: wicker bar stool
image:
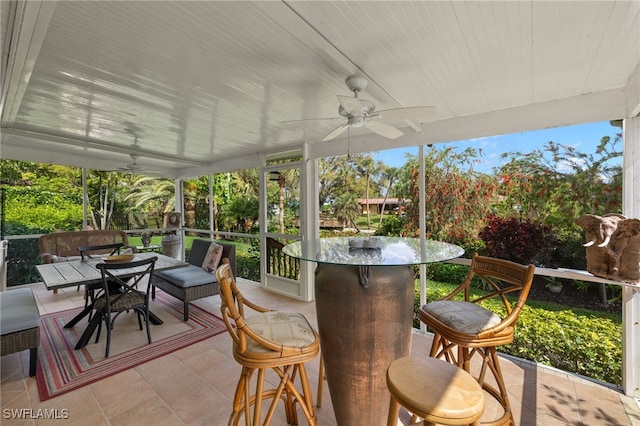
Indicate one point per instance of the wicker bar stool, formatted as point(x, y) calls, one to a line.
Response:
point(267, 339)
point(463, 328)
point(434, 390)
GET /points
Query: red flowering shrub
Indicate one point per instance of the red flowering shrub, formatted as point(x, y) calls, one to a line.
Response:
point(520, 241)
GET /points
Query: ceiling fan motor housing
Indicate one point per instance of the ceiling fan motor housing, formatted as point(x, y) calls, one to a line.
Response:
point(367, 109)
point(356, 83)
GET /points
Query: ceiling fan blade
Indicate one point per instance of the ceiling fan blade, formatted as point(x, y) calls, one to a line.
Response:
point(303, 121)
point(335, 132)
point(350, 104)
point(408, 113)
point(383, 129)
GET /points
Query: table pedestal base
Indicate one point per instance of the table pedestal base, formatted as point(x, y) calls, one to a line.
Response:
point(365, 316)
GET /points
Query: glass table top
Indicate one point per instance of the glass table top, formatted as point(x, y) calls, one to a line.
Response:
point(374, 251)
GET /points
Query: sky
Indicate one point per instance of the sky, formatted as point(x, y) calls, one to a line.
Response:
point(585, 138)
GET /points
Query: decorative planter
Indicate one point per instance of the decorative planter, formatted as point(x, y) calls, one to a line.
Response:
point(555, 288)
point(362, 330)
point(171, 245)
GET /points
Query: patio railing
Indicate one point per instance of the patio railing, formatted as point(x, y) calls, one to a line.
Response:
point(279, 263)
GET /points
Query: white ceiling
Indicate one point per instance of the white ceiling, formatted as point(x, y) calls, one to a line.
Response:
point(196, 87)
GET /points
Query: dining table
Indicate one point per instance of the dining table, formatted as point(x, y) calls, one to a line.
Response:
point(364, 294)
point(84, 272)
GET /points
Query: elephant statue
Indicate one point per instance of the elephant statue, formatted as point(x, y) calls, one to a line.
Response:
point(625, 247)
point(613, 246)
point(598, 232)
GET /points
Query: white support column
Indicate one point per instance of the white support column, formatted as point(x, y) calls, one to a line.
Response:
point(422, 227)
point(631, 296)
point(262, 219)
point(211, 218)
point(309, 217)
point(85, 201)
point(179, 207)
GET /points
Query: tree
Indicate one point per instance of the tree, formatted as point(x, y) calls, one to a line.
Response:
point(558, 184)
point(346, 208)
point(221, 192)
point(365, 166)
point(195, 192)
point(101, 189)
point(389, 174)
point(457, 201)
point(241, 214)
point(40, 197)
point(151, 197)
point(330, 178)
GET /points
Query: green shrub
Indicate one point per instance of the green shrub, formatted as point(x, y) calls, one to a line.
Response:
point(572, 340)
point(248, 265)
point(447, 272)
point(392, 226)
point(22, 255)
point(521, 241)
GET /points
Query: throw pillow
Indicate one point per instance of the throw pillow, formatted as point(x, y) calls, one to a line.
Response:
point(212, 258)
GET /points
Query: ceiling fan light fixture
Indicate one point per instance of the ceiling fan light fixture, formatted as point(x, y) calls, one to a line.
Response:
point(356, 121)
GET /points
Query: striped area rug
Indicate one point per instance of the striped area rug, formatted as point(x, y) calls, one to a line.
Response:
point(61, 368)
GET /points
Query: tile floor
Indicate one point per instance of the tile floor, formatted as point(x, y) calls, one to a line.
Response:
point(195, 385)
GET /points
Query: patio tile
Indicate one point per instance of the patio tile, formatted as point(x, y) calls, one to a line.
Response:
point(195, 385)
point(170, 378)
point(150, 412)
point(121, 393)
point(201, 403)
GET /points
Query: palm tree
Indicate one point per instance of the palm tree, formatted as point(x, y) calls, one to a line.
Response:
point(366, 166)
point(346, 208)
point(388, 174)
point(154, 196)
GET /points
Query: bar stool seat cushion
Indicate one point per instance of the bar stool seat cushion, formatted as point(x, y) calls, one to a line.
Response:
point(465, 317)
point(435, 390)
point(286, 328)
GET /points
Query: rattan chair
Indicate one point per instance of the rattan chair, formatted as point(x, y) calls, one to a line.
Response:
point(463, 328)
point(433, 390)
point(267, 339)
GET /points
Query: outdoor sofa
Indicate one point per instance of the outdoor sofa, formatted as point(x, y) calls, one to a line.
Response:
point(192, 282)
point(63, 246)
point(20, 324)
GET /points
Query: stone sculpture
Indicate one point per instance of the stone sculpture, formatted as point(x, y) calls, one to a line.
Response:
point(613, 246)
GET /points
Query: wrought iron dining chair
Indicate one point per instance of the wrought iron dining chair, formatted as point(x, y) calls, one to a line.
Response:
point(267, 339)
point(108, 306)
point(87, 252)
point(463, 327)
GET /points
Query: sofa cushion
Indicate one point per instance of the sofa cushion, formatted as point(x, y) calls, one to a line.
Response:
point(188, 276)
point(212, 258)
point(19, 311)
point(56, 259)
point(199, 249)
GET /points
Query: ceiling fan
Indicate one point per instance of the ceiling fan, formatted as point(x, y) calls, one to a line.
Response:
point(132, 167)
point(361, 113)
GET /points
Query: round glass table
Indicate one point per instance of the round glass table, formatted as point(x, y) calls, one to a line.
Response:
point(364, 292)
